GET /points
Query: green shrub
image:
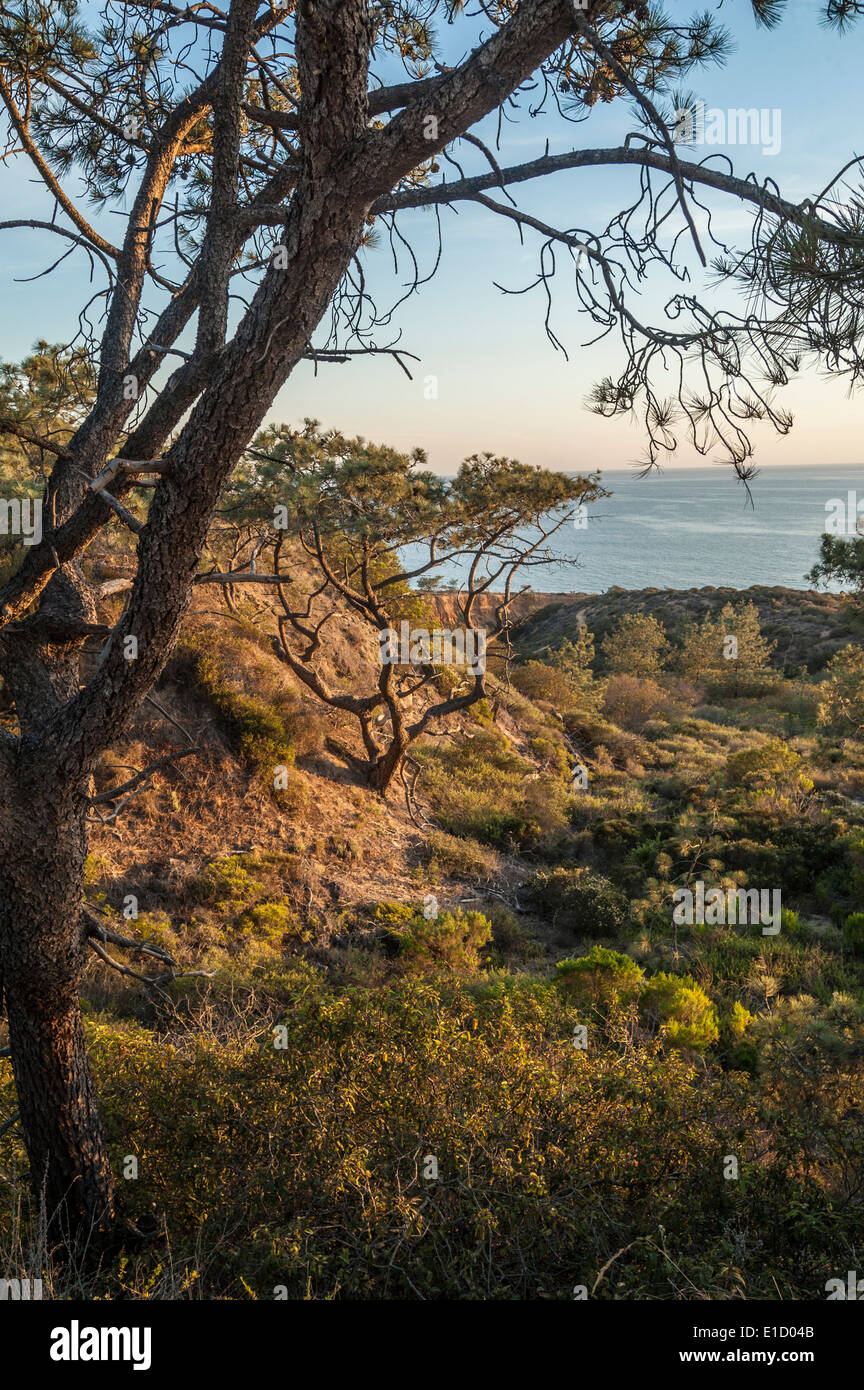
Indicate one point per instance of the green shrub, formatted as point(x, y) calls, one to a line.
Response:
point(256, 724)
point(315, 1178)
point(303, 1167)
point(158, 929)
point(451, 942)
point(583, 902)
point(483, 790)
point(772, 773)
point(452, 854)
point(740, 668)
point(740, 1020)
point(683, 1009)
point(388, 914)
point(538, 681)
point(842, 694)
point(744, 1056)
point(604, 979)
point(511, 940)
point(790, 922)
point(635, 646)
point(481, 713)
point(632, 702)
point(853, 932)
point(272, 920)
point(553, 753)
point(591, 730)
point(447, 679)
point(227, 884)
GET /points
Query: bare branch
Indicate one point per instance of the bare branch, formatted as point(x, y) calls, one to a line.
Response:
point(51, 183)
point(143, 776)
point(748, 190)
point(10, 427)
point(588, 32)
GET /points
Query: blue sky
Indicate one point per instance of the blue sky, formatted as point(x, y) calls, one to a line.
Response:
point(501, 385)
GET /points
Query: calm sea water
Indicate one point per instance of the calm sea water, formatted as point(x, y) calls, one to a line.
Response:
point(689, 527)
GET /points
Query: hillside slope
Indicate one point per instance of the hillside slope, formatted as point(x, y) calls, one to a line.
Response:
point(454, 1042)
point(807, 625)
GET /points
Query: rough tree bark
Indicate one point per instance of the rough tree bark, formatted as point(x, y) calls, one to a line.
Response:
point(42, 947)
point(343, 167)
point(42, 938)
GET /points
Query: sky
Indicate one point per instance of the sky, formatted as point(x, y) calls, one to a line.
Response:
point(500, 383)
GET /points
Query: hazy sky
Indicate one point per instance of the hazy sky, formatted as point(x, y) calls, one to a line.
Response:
point(501, 385)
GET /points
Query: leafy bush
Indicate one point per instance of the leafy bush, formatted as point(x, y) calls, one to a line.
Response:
point(632, 703)
point(541, 682)
point(454, 855)
point(580, 900)
point(842, 703)
point(772, 770)
point(599, 733)
point(511, 940)
point(790, 922)
point(729, 651)
point(853, 932)
point(482, 789)
point(388, 914)
point(684, 1011)
point(604, 979)
point(552, 753)
point(272, 920)
point(575, 659)
point(566, 679)
point(257, 725)
point(451, 942)
point(228, 884)
point(368, 1083)
point(802, 857)
point(739, 1020)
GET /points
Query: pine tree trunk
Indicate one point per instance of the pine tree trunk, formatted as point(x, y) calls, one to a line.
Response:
point(42, 956)
point(383, 771)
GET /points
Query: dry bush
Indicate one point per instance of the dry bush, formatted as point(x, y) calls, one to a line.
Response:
point(462, 857)
point(541, 682)
point(631, 701)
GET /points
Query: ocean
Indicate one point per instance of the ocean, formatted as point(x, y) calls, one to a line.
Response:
point(686, 528)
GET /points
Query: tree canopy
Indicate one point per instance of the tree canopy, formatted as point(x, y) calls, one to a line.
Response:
point(367, 522)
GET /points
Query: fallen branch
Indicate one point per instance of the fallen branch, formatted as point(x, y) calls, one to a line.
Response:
point(114, 586)
point(167, 715)
point(48, 628)
point(144, 775)
point(241, 577)
point(97, 933)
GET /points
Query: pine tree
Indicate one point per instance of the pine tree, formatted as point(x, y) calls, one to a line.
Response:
point(636, 646)
point(728, 650)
